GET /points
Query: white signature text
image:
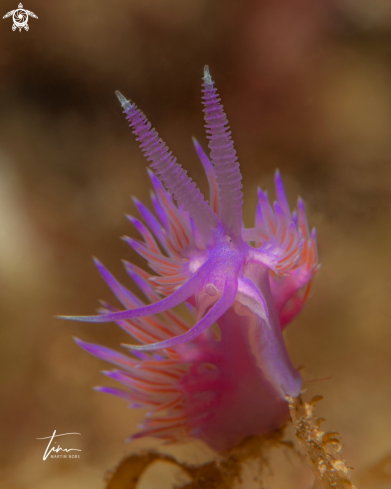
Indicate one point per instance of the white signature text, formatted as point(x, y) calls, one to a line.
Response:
point(57, 449)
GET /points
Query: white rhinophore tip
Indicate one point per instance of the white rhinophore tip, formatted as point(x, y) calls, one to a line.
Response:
point(123, 101)
point(207, 77)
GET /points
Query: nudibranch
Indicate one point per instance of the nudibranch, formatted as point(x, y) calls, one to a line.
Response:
point(250, 282)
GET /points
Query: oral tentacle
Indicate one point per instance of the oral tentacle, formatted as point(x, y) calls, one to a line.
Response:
point(130, 301)
point(174, 177)
point(141, 277)
point(181, 295)
point(266, 340)
point(147, 329)
point(250, 296)
point(272, 357)
point(220, 307)
point(224, 159)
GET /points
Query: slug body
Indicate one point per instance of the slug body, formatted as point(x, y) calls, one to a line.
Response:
point(251, 282)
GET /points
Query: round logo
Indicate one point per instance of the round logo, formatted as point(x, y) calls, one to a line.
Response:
point(20, 19)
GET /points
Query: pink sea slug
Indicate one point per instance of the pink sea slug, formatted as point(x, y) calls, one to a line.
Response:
point(251, 282)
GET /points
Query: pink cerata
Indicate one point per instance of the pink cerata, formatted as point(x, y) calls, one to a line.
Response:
point(251, 282)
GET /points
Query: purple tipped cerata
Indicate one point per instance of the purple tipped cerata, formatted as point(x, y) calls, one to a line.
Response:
point(251, 282)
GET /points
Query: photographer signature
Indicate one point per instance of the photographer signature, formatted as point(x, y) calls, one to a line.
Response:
point(57, 449)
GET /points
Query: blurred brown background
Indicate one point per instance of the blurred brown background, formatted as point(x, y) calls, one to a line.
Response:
point(307, 88)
